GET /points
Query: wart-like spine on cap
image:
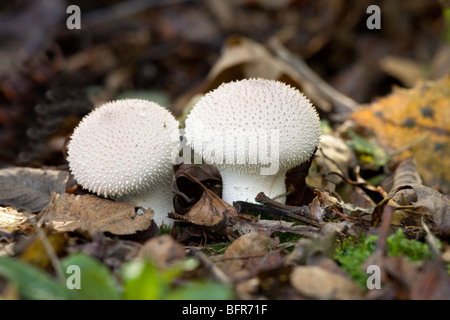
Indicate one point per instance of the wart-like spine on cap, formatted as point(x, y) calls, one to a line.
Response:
point(253, 130)
point(125, 150)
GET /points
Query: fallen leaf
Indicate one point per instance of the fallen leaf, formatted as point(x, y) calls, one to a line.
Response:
point(93, 214)
point(32, 249)
point(245, 58)
point(415, 122)
point(187, 191)
point(429, 203)
point(163, 251)
point(111, 250)
point(212, 214)
point(29, 188)
point(11, 219)
point(313, 250)
point(322, 204)
point(405, 70)
point(405, 173)
point(247, 254)
point(315, 282)
point(333, 155)
point(432, 283)
point(402, 279)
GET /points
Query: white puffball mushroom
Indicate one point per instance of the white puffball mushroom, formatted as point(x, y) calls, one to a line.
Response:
point(253, 130)
point(125, 150)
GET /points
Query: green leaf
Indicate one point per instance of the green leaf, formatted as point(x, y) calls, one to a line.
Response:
point(367, 151)
point(143, 281)
point(32, 282)
point(96, 280)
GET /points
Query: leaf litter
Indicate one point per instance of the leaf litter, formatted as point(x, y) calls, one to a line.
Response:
point(381, 166)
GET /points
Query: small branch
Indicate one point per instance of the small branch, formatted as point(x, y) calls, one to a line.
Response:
point(297, 214)
point(300, 66)
point(49, 249)
point(262, 198)
point(211, 266)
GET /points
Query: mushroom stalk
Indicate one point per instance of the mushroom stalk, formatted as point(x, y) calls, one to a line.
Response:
point(244, 186)
point(158, 199)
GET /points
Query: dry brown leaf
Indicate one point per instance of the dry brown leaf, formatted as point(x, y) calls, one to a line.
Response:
point(405, 70)
point(323, 203)
point(162, 250)
point(187, 191)
point(403, 279)
point(316, 249)
point(405, 173)
point(245, 58)
point(111, 250)
point(213, 215)
point(432, 283)
point(333, 155)
point(315, 282)
point(30, 188)
point(248, 249)
point(93, 214)
point(429, 203)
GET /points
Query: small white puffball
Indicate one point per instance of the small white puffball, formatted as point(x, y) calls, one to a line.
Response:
point(253, 130)
point(125, 150)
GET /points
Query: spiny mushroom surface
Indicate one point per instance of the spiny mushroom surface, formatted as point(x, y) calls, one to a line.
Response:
point(253, 130)
point(125, 150)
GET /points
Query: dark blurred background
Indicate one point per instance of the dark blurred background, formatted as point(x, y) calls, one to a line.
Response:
point(51, 76)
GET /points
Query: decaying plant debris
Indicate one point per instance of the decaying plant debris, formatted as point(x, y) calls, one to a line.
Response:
point(381, 166)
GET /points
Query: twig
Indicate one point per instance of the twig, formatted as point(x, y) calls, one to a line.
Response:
point(211, 266)
point(300, 66)
point(49, 249)
point(386, 218)
point(262, 198)
point(247, 207)
point(283, 226)
point(344, 174)
point(284, 194)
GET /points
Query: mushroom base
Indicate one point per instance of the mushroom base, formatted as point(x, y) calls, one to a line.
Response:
point(239, 186)
point(159, 199)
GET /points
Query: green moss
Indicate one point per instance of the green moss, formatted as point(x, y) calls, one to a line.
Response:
point(351, 253)
point(414, 250)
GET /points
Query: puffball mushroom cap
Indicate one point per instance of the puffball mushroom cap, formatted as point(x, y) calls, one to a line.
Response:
point(125, 150)
point(250, 111)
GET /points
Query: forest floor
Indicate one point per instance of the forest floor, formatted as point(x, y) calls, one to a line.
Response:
point(368, 217)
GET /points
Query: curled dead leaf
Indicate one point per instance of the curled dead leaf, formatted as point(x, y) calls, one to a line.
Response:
point(430, 203)
point(187, 191)
point(212, 214)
